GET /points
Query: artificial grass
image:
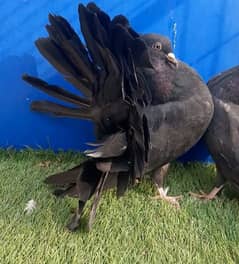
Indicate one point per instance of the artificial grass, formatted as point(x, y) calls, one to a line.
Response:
point(133, 229)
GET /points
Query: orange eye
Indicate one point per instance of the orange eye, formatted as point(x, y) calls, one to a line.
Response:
point(157, 45)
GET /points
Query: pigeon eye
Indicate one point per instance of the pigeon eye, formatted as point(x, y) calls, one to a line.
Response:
point(157, 45)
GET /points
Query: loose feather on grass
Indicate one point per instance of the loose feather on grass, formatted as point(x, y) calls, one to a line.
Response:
point(30, 206)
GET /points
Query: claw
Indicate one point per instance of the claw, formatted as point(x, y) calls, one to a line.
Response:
point(202, 195)
point(207, 196)
point(170, 199)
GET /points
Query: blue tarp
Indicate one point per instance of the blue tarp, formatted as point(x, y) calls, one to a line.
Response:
point(205, 34)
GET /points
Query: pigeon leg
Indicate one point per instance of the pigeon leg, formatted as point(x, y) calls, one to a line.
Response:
point(158, 177)
point(220, 182)
point(75, 220)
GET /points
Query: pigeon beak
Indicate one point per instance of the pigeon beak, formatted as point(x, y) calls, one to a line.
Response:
point(171, 58)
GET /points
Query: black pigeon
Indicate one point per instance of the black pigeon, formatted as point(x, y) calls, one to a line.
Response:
point(147, 107)
point(222, 136)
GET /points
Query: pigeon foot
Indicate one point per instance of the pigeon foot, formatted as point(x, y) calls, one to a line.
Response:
point(162, 195)
point(207, 196)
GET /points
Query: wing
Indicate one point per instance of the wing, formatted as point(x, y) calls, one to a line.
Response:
point(225, 86)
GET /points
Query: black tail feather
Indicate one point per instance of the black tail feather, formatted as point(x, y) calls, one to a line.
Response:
point(56, 91)
point(55, 56)
point(95, 28)
point(60, 110)
point(123, 181)
point(70, 191)
point(88, 23)
point(102, 16)
point(122, 20)
point(64, 179)
point(71, 46)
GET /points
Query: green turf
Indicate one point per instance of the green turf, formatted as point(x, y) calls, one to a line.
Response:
point(133, 229)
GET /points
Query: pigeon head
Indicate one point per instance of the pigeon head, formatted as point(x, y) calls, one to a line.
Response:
point(158, 42)
point(159, 46)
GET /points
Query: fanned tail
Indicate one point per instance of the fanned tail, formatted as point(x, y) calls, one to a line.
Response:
point(105, 71)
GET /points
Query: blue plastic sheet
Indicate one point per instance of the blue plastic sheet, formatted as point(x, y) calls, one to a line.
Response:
point(205, 34)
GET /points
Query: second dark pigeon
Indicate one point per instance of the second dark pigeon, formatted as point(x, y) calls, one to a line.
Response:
point(222, 136)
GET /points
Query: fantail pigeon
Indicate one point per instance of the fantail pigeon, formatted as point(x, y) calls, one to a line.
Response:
point(148, 108)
